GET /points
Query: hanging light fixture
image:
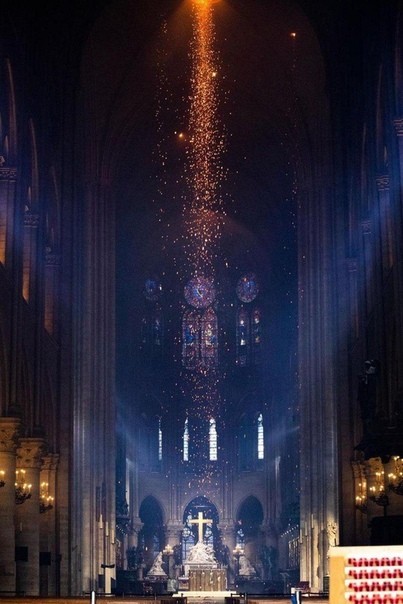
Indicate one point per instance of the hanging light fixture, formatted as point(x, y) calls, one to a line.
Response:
point(377, 491)
point(395, 478)
point(45, 500)
point(361, 497)
point(22, 489)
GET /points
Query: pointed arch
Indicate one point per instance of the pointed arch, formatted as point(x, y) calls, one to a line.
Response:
point(151, 536)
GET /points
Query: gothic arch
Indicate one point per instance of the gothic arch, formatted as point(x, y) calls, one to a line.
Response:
point(204, 506)
point(250, 515)
point(151, 536)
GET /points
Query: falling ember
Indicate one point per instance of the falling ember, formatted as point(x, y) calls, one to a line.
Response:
point(204, 173)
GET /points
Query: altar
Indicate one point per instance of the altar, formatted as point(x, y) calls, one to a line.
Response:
point(214, 579)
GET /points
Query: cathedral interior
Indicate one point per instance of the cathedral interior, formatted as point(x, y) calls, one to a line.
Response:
point(201, 264)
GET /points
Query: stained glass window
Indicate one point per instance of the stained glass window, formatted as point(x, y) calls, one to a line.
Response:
point(248, 336)
point(242, 335)
point(199, 338)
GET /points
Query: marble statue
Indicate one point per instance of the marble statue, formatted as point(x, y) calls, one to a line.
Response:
point(245, 567)
point(201, 554)
point(156, 570)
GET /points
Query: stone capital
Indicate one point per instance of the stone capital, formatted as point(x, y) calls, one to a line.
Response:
point(382, 183)
point(398, 122)
point(52, 259)
point(30, 452)
point(352, 265)
point(31, 220)
point(366, 226)
point(50, 462)
point(9, 428)
point(8, 173)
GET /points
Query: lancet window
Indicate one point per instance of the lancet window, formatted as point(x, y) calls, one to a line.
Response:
point(251, 442)
point(152, 330)
point(186, 441)
point(199, 338)
point(248, 336)
point(260, 437)
point(159, 440)
point(213, 454)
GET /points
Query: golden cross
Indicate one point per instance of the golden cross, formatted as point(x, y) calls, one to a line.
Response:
point(200, 521)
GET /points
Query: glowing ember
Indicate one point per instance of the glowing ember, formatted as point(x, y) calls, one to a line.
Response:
point(204, 169)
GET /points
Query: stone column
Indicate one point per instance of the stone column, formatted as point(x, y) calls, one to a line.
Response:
point(8, 179)
point(8, 443)
point(173, 533)
point(397, 221)
point(29, 458)
point(368, 250)
point(47, 536)
point(382, 183)
point(31, 224)
point(52, 271)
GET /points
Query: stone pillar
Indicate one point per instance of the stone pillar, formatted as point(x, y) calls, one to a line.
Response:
point(397, 221)
point(52, 271)
point(47, 532)
point(29, 458)
point(368, 250)
point(8, 179)
point(8, 443)
point(31, 224)
point(173, 533)
point(382, 183)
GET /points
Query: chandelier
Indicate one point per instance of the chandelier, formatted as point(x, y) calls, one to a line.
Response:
point(377, 491)
point(395, 478)
point(22, 489)
point(361, 497)
point(45, 500)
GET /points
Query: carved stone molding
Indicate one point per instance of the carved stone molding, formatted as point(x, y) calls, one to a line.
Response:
point(398, 122)
point(30, 452)
point(8, 173)
point(382, 182)
point(52, 259)
point(31, 220)
point(366, 226)
point(352, 265)
point(373, 465)
point(9, 428)
point(50, 461)
point(358, 469)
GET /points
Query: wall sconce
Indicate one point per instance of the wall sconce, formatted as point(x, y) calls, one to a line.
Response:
point(45, 500)
point(395, 478)
point(2, 481)
point(22, 489)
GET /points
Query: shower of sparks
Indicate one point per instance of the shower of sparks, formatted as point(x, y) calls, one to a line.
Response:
point(203, 214)
point(204, 171)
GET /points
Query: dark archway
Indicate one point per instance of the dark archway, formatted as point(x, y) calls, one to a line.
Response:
point(151, 536)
